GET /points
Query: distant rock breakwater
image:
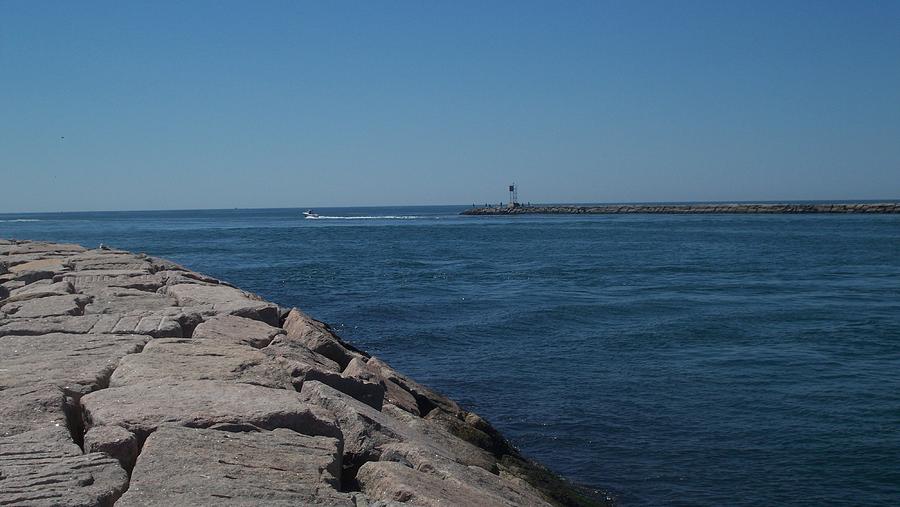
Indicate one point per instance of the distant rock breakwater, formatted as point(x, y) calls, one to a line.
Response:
point(687, 209)
point(130, 380)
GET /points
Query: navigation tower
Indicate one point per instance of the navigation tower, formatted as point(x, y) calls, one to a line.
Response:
point(513, 196)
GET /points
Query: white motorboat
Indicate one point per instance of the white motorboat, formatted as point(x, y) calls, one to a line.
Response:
point(310, 214)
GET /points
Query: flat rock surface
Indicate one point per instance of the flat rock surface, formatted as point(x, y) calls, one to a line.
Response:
point(107, 260)
point(141, 408)
point(44, 467)
point(126, 279)
point(26, 247)
point(123, 300)
point(40, 264)
point(388, 480)
point(91, 479)
point(69, 304)
point(208, 467)
point(75, 363)
point(40, 289)
point(179, 359)
point(492, 488)
point(31, 407)
point(97, 324)
point(224, 299)
point(38, 447)
point(16, 280)
point(237, 330)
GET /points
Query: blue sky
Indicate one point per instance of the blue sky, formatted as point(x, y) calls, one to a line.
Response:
point(271, 104)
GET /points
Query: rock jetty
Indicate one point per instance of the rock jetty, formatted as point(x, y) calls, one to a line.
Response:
point(686, 209)
point(130, 380)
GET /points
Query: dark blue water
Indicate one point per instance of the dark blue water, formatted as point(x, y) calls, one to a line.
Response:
point(696, 360)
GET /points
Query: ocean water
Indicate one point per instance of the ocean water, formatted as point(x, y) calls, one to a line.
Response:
point(690, 360)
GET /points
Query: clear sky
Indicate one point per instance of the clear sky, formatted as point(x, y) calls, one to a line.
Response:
point(160, 105)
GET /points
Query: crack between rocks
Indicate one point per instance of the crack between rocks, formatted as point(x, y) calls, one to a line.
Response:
point(78, 423)
point(74, 419)
point(246, 465)
point(350, 468)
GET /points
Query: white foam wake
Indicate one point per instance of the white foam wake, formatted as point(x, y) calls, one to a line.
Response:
point(22, 220)
point(379, 217)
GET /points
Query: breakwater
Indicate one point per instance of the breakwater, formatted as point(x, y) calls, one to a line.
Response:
point(687, 209)
point(130, 380)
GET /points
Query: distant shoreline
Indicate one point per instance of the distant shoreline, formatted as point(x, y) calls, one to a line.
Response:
point(688, 209)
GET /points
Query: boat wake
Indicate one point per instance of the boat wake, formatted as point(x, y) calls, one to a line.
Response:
point(22, 220)
point(379, 217)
